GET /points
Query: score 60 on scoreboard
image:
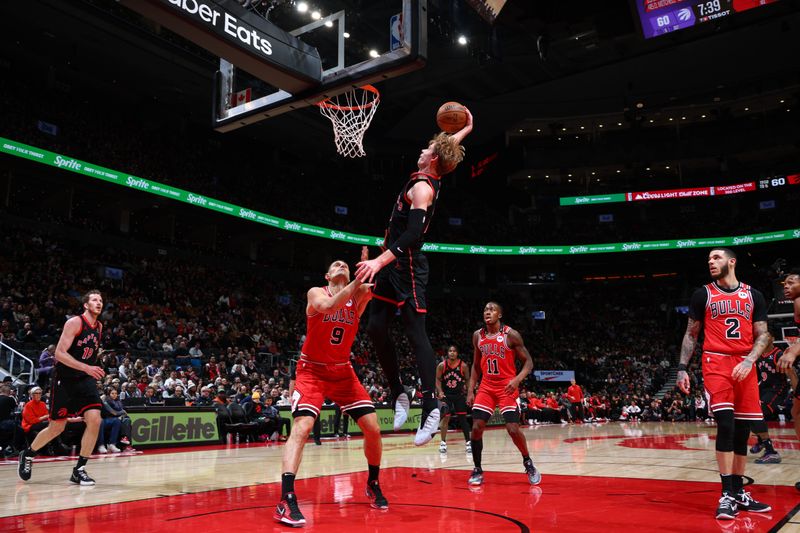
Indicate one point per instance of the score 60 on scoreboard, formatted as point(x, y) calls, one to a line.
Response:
point(658, 17)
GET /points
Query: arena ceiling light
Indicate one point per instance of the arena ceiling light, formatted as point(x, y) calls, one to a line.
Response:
point(302, 7)
point(462, 40)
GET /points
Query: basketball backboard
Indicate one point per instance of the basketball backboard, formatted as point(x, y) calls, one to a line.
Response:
point(358, 43)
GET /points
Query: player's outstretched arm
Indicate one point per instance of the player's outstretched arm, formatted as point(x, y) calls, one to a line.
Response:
point(71, 329)
point(687, 349)
point(516, 343)
point(320, 302)
point(466, 130)
point(421, 196)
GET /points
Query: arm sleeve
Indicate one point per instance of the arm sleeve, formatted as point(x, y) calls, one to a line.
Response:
point(759, 307)
point(412, 234)
point(697, 305)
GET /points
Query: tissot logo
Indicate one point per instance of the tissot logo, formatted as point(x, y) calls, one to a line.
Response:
point(227, 22)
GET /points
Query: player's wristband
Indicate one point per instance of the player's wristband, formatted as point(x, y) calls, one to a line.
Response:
point(681, 368)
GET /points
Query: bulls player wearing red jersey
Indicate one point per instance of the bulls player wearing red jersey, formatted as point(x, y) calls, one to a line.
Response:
point(324, 371)
point(73, 390)
point(733, 316)
point(497, 347)
point(789, 360)
point(403, 285)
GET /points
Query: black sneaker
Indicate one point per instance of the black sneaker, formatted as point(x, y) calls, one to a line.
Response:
point(797, 485)
point(745, 502)
point(476, 478)
point(80, 477)
point(287, 512)
point(376, 498)
point(727, 508)
point(25, 466)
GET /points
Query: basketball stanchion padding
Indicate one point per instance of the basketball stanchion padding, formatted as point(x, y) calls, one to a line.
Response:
point(351, 113)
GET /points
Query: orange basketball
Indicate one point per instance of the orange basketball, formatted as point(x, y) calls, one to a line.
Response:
point(451, 117)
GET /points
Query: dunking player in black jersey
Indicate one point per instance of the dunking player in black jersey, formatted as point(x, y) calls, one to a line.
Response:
point(452, 376)
point(403, 285)
point(74, 387)
point(788, 361)
point(773, 386)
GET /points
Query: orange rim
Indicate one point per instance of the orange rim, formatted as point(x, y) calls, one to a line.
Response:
point(327, 102)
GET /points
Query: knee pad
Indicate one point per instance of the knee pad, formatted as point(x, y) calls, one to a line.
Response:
point(725, 431)
point(741, 433)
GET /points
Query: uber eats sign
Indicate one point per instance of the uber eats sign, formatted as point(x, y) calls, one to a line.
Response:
point(174, 428)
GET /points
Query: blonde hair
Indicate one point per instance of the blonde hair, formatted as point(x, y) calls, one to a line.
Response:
point(448, 151)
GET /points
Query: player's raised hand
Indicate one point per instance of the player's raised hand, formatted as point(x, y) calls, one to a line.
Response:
point(364, 253)
point(366, 270)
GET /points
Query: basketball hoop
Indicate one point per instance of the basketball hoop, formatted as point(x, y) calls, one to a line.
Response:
point(351, 113)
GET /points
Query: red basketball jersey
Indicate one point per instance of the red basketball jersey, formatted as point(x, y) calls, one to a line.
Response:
point(329, 336)
point(497, 359)
point(728, 322)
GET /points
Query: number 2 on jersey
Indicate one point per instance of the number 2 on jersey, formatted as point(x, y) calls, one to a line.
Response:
point(733, 328)
point(492, 367)
point(337, 335)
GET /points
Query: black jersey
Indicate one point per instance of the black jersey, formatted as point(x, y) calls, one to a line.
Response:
point(769, 378)
point(85, 348)
point(453, 380)
point(398, 221)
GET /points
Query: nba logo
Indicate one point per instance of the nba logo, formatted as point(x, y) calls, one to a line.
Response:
point(396, 32)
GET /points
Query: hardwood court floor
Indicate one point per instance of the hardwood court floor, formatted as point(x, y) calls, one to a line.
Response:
point(607, 477)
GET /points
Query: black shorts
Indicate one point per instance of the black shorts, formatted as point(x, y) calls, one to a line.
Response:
point(72, 397)
point(454, 405)
point(404, 281)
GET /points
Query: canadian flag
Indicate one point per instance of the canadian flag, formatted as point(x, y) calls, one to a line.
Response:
point(242, 97)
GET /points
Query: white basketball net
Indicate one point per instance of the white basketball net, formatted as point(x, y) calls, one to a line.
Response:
point(351, 113)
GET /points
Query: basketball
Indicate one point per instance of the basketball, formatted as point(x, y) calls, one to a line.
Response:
point(451, 117)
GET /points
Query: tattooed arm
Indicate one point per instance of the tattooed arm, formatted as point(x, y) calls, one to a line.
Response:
point(687, 349)
point(763, 339)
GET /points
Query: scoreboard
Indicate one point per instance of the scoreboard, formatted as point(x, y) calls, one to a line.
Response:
point(664, 16)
